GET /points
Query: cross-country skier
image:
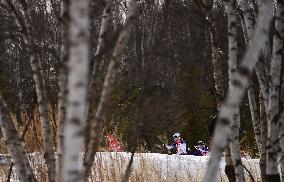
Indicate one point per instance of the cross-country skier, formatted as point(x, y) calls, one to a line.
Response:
point(179, 145)
point(202, 149)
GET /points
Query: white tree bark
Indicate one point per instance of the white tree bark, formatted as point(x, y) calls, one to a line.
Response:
point(102, 42)
point(43, 108)
point(248, 29)
point(260, 68)
point(232, 66)
point(14, 145)
point(218, 77)
point(239, 85)
point(106, 21)
point(108, 88)
point(261, 74)
point(259, 122)
point(274, 92)
point(62, 95)
point(24, 22)
point(78, 50)
point(248, 18)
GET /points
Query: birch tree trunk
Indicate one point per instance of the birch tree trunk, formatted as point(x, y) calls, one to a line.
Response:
point(239, 84)
point(219, 84)
point(248, 28)
point(108, 88)
point(14, 145)
point(105, 25)
point(274, 93)
point(259, 122)
point(62, 84)
point(78, 50)
point(260, 68)
point(43, 107)
point(25, 23)
point(248, 19)
point(232, 66)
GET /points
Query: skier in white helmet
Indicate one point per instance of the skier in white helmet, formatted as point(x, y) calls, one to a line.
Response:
point(179, 145)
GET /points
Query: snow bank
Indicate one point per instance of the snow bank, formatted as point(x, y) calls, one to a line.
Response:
point(110, 166)
point(161, 167)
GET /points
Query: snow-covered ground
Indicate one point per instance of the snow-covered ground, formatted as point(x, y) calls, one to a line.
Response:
point(161, 167)
point(110, 166)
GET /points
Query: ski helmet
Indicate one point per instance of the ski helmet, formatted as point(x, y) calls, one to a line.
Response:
point(176, 135)
point(200, 143)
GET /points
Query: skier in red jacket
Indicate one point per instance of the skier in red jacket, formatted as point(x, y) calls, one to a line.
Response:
point(113, 144)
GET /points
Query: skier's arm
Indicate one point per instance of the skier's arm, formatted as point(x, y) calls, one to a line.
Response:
point(169, 147)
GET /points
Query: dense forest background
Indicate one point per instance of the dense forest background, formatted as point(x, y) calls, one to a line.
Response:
point(165, 82)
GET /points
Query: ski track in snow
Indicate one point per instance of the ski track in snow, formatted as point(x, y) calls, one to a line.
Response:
point(110, 166)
